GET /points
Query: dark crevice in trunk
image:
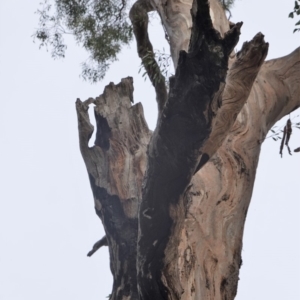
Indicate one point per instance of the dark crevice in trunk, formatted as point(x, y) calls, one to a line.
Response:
point(103, 132)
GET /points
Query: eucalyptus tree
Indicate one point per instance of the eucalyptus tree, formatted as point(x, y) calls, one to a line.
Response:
point(173, 202)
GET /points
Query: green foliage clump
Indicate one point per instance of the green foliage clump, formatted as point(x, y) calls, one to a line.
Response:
point(227, 3)
point(100, 26)
point(296, 12)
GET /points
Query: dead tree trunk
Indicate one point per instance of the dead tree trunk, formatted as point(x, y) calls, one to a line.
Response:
point(173, 203)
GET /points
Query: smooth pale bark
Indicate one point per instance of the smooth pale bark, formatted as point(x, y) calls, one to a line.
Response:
point(183, 221)
point(177, 21)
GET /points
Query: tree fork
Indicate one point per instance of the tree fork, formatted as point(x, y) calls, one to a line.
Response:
point(196, 252)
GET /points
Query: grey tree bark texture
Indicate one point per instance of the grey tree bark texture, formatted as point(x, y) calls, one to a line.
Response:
point(173, 202)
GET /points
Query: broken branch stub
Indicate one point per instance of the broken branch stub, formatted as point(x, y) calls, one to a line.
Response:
point(98, 245)
point(239, 82)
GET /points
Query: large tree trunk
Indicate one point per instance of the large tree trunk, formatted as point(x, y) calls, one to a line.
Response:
point(174, 202)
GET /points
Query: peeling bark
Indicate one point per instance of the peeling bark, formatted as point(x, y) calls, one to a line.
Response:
point(173, 203)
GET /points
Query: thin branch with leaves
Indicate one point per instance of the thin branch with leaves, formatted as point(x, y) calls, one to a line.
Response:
point(296, 12)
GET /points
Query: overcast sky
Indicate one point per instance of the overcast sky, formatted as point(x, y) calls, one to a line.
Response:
point(47, 219)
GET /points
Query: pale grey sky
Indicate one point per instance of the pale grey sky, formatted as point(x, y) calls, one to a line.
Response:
point(47, 219)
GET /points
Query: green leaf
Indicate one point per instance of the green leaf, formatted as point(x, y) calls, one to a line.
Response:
point(298, 23)
point(291, 15)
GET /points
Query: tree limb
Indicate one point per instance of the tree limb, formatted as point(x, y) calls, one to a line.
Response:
point(139, 19)
point(278, 83)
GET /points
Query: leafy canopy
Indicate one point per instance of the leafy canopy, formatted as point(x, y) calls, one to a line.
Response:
point(100, 26)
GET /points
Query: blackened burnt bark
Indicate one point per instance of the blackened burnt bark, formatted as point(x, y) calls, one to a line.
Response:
point(121, 233)
point(175, 149)
point(103, 132)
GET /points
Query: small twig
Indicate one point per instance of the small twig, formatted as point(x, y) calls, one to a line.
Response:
point(286, 136)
